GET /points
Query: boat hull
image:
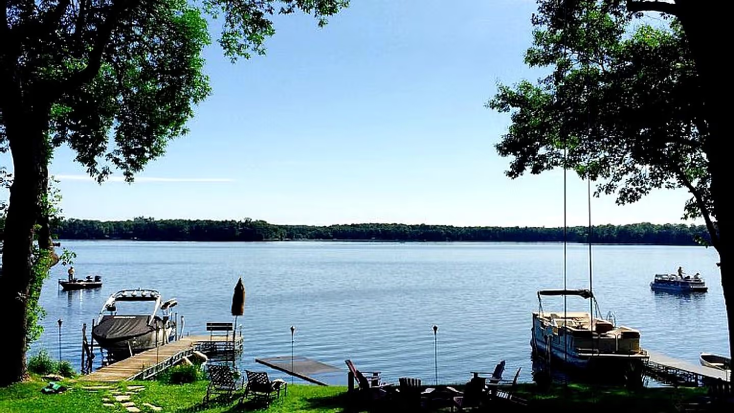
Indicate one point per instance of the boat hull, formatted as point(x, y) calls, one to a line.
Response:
point(715, 361)
point(678, 288)
point(79, 285)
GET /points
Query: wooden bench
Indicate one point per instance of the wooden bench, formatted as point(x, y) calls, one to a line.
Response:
point(214, 327)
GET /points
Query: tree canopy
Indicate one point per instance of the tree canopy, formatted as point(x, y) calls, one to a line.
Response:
point(620, 106)
point(633, 105)
point(115, 81)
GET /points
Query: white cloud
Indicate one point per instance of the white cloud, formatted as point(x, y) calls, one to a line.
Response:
point(140, 179)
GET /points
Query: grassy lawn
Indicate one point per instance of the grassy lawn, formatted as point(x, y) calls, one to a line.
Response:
point(27, 397)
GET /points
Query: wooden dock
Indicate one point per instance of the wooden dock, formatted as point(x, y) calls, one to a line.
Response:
point(149, 363)
point(679, 372)
point(299, 366)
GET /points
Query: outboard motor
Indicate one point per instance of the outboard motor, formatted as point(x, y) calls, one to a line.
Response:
point(97, 278)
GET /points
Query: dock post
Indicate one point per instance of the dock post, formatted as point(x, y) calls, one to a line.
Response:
point(84, 338)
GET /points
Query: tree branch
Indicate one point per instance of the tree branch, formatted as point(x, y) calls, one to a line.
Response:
point(79, 26)
point(94, 62)
point(54, 17)
point(701, 206)
point(652, 5)
point(3, 20)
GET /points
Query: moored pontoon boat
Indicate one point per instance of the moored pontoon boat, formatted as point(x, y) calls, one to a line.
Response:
point(579, 341)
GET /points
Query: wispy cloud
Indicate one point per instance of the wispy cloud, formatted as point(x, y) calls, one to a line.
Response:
point(140, 179)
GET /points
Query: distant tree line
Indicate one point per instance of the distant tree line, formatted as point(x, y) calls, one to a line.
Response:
point(150, 229)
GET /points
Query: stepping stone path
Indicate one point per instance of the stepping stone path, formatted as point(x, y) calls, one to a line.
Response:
point(122, 398)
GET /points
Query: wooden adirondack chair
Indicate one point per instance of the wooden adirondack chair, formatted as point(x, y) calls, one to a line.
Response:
point(503, 391)
point(473, 396)
point(369, 384)
point(409, 393)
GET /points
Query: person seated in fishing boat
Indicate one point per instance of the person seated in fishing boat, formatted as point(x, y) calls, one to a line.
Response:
point(697, 276)
point(71, 274)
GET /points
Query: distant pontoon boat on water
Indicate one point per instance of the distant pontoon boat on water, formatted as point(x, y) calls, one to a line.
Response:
point(675, 283)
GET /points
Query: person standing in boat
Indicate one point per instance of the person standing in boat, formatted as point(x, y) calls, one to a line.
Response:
point(680, 272)
point(71, 273)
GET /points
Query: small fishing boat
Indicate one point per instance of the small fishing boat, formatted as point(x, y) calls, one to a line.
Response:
point(135, 326)
point(675, 283)
point(715, 361)
point(79, 284)
point(582, 342)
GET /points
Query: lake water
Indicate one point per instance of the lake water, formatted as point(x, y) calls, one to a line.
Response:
point(376, 302)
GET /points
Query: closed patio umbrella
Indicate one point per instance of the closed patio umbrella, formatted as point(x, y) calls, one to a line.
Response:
point(238, 300)
point(238, 308)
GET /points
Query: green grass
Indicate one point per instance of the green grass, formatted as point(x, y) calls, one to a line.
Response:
point(27, 397)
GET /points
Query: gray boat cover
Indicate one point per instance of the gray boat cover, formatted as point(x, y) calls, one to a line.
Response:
point(584, 293)
point(121, 327)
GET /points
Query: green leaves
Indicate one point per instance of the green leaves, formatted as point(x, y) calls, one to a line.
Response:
point(120, 78)
point(247, 23)
point(620, 106)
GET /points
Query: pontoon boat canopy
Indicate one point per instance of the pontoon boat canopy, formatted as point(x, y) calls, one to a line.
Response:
point(584, 293)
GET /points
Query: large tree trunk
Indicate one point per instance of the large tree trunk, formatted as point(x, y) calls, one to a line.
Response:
point(26, 135)
point(707, 29)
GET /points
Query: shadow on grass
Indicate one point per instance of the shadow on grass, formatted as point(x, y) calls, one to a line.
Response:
point(583, 398)
point(220, 401)
point(336, 402)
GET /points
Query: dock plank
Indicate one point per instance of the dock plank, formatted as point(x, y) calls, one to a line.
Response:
point(132, 366)
point(703, 371)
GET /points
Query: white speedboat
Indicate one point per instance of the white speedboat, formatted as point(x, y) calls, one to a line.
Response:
point(129, 322)
point(579, 341)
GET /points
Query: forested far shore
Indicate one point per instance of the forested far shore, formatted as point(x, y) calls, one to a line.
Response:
point(150, 229)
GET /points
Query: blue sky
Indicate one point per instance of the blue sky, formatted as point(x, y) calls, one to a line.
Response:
point(377, 117)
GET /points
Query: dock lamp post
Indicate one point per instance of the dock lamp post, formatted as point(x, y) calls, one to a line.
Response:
point(60, 321)
point(293, 332)
point(435, 350)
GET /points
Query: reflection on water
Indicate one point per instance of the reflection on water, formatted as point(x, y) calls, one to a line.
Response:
point(376, 303)
point(680, 297)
